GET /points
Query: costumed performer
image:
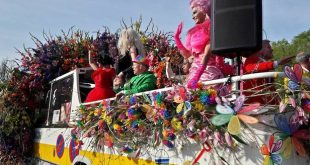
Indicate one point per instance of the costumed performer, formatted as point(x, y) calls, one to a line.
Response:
point(304, 60)
point(260, 61)
point(144, 79)
point(129, 46)
point(103, 76)
point(206, 66)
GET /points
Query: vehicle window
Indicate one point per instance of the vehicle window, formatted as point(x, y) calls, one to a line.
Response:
point(84, 81)
point(60, 101)
point(41, 112)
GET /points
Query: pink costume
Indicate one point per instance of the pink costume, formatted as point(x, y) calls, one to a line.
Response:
point(196, 40)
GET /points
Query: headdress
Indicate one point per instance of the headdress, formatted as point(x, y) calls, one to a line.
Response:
point(141, 59)
point(202, 5)
point(129, 37)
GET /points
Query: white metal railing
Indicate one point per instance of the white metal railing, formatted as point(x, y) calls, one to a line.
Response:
point(212, 82)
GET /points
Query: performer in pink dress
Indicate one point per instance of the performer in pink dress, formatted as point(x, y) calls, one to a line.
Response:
point(206, 66)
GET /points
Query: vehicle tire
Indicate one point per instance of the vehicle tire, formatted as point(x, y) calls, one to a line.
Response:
point(79, 163)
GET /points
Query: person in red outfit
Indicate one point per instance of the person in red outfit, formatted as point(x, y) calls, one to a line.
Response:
point(261, 62)
point(103, 76)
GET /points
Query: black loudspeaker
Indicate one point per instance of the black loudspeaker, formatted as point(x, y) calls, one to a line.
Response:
point(236, 27)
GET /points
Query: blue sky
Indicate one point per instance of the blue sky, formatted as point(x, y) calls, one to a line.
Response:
point(281, 18)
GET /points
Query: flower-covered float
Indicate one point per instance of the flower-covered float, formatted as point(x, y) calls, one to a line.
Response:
point(170, 125)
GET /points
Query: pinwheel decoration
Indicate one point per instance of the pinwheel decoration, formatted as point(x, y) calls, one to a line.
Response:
point(271, 152)
point(295, 76)
point(291, 134)
point(230, 115)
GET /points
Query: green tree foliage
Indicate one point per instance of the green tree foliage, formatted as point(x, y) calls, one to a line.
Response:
point(6, 69)
point(300, 43)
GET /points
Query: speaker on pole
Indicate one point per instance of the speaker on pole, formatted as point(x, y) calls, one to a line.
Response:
point(236, 27)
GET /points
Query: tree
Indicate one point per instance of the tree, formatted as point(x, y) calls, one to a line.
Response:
point(300, 43)
point(6, 68)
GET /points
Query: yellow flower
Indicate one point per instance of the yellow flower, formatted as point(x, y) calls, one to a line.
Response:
point(106, 118)
point(116, 127)
point(88, 118)
point(143, 39)
point(176, 124)
point(198, 106)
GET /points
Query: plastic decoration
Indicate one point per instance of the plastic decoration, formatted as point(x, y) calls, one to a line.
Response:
point(295, 76)
point(133, 114)
point(271, 152)
point(291, 134)
point(232, 115)
point(200, 115)
point(168, 143)
point(305, 104)
point(127, 149)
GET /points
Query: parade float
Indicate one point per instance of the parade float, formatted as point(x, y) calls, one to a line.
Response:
point(173, 126)
point(170, 125)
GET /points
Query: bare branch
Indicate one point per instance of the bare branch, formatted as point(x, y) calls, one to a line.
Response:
point(36, 40)
point(131, 22)
point(149, 24)
point(124, 23)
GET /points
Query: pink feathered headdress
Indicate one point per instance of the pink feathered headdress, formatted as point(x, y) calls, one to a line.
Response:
point(202, 5)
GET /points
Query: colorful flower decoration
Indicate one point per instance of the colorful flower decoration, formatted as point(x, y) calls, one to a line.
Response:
point(305, 104)
point(181, 98)
point(291, 134)
point(208, 96)
point(127, 149)
point(272, 153)
point(232, 115)
point(295, 76)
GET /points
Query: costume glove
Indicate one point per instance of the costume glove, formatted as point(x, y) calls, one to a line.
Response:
point(177, 39)
point(193, 82)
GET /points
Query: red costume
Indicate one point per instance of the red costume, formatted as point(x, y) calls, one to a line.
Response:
point(103, 79)
point(256, 64)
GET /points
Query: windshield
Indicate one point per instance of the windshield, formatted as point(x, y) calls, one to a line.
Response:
point(60, 101)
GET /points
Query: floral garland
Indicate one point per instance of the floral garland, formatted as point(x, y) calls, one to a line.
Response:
point(199, 115)
point(130, 122)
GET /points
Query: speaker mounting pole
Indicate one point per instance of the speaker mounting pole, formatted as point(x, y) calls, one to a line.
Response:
point(239, 67)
